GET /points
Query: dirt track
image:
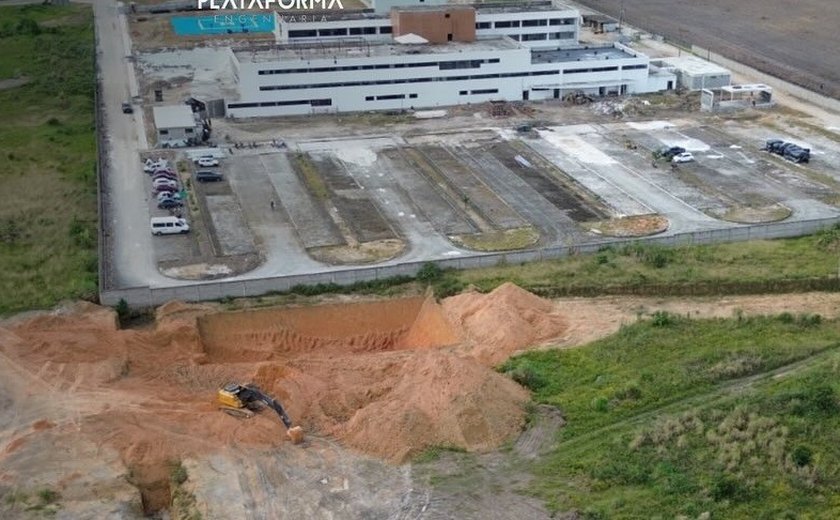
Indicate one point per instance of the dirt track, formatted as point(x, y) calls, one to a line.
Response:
point(796, 41)
point(96, 413)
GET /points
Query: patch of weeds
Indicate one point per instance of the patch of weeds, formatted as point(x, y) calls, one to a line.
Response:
point(664, 319)
point(433, 453)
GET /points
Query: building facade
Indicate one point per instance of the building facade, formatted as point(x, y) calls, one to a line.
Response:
point(535, 25)
point(447, 58)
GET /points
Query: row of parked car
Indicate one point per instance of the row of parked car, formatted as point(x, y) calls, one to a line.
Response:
point(207, 161)
point(166, 187)
point(792, 152)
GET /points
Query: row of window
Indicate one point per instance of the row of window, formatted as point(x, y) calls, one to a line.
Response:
point(527, 23)
point(543, 36)
point(311, 102)
point(389, 96)
point(606, 69)
point(338, 31)
point(386, 29)
point(479, 91)
point(442, 65)
point(410, 80)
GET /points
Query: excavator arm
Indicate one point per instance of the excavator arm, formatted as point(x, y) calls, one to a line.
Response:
point(255, 394)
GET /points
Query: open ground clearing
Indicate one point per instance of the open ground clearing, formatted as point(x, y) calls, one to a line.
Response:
point(397, 380)
point(48, 180)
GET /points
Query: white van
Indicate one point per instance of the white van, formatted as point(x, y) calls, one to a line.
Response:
point(169, 226)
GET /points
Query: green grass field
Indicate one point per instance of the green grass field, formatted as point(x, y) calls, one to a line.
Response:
point(807, 257)
point(47, 182)
point(734, 418)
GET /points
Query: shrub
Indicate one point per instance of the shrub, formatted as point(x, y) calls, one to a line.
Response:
point(600, 404)
point(663, 319)
point(47, 496)
point(122, 310)
point(728, 488)
point(822, 398)
point(448, 286)
point(802, 455)
point(429, 273)
point(528, 377)
point(178, 473)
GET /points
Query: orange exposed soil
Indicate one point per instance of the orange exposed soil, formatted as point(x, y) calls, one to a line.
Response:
point(389, 378)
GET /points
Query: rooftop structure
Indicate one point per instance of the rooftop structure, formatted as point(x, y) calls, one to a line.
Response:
point(693, 65)
point(584, 53)
point(694, 73)
point(173, 116)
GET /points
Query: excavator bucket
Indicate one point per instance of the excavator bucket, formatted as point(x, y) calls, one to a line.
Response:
point(295, 434)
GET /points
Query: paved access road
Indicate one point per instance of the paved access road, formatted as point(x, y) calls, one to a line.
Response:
point(133, 256)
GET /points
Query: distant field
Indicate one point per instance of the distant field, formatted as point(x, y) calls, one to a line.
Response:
point(47, 179)
point(797, 41)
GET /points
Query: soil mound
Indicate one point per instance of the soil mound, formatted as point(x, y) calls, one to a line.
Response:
point(438, 400)
point(503, 321)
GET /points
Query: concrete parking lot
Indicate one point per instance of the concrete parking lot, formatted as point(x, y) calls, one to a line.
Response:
point(381, 200)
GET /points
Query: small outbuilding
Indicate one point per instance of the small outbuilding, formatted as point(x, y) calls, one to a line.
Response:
point(694, 73)
point(176, 125)
point(600, 23)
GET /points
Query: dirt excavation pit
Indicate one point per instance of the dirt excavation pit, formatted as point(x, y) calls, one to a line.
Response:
point(387, 378)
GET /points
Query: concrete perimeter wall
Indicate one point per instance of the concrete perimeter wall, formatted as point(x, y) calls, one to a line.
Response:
point(200, 291)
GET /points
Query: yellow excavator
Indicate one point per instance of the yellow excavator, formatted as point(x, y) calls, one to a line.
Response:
point(245, 400)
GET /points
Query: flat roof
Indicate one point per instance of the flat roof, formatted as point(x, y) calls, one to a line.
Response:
point(693, 65)
point(173, 116)
point(581, 53)
point(752, 87)
point(361, 49)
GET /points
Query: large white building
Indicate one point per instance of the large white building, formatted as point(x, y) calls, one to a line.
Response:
point(536, 25)
point(451, 56)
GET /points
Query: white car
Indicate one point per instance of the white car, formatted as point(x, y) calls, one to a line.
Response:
point(683, 157)
point(207, 161)
point(164, 182)
point(149, 165)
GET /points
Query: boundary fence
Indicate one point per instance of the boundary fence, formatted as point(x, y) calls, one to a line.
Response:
point(213, 290)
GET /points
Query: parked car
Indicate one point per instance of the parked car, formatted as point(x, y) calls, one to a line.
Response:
point(127, 108)
point(207, 161)
point(160, 181)
point(169, 226)
point(164, 189)
point(167, 195)
point(170, 203)
point(207, 176)
point(164, 175)
point(150, 166)
point(668, 152)
point(683, 157)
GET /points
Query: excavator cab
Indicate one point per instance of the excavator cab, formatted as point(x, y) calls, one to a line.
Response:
point(244, 401)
